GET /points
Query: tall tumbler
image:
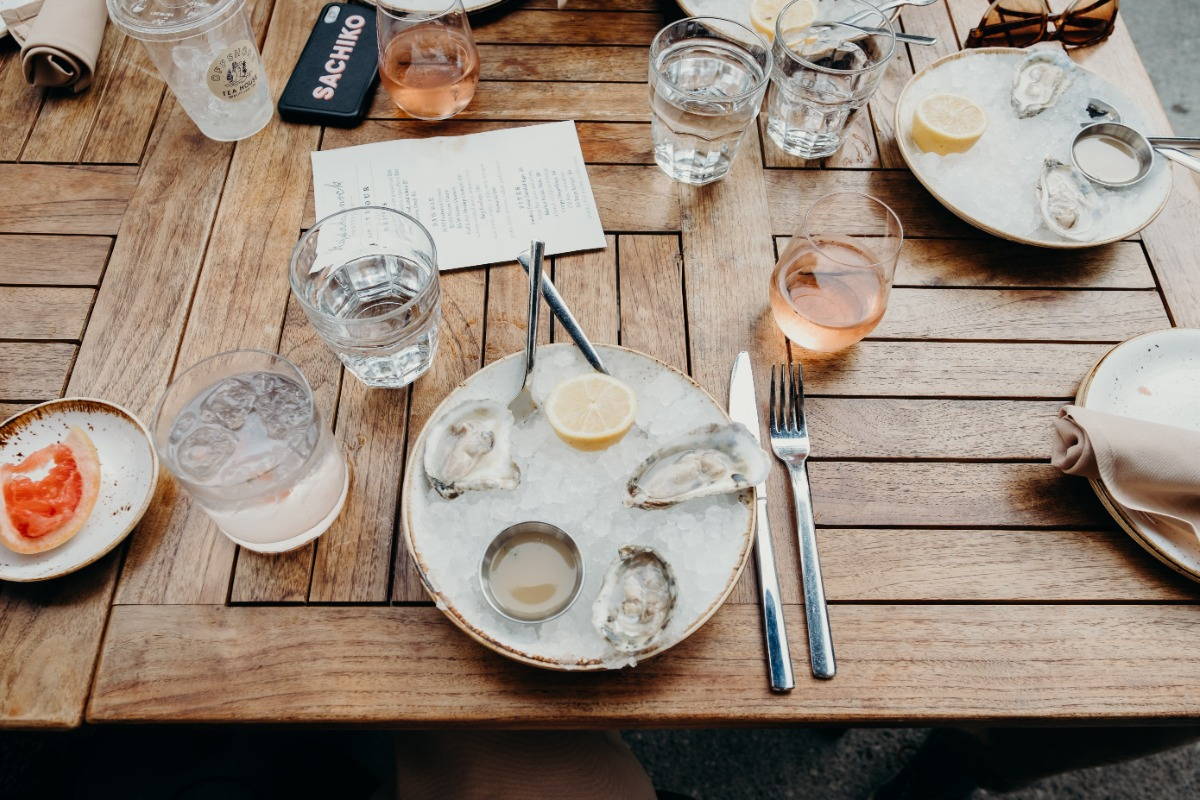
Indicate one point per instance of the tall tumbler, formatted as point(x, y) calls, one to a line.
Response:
point(707, 79)
point(824, 72)
point(367, 278)
point(206, 52)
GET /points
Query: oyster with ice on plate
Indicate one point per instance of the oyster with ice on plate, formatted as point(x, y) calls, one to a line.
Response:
point(716, 459)
point(470, 448)
point(1070, 205)
point(1039, 81)
point(636, 600)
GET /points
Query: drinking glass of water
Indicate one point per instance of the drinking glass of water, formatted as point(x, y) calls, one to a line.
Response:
point(428, 61)
point(830, 286)
point(824, 72)
point(707, 78)
point(242, 435)
point(367, 278)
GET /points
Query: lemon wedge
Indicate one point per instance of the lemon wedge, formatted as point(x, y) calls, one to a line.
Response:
point(763, 14)
point(947, 123)
point(592, 411)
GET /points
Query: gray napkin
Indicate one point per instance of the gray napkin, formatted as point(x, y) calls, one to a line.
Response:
point(60, 40)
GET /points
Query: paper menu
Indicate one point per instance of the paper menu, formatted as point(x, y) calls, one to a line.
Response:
point(482, 196)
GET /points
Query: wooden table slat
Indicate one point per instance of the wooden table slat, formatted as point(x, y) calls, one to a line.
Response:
point(43, 313)
point(68, 199)
point(72, 261)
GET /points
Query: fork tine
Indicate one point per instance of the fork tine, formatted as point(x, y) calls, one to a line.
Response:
point(783, 398)
point(771, 419)
point(798, 395)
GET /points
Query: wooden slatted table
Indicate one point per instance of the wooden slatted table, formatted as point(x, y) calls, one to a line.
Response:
point(968, 580)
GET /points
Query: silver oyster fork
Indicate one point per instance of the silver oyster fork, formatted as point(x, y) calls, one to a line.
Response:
point(789, 440)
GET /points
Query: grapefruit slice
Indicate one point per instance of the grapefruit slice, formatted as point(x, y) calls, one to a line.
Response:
point(47, 498)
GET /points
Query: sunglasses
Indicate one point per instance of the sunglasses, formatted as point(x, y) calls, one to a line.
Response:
point(1020, 23)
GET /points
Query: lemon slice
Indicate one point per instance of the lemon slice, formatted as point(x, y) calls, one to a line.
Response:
point(947, 123)
point(764, 12)
point(592, 411)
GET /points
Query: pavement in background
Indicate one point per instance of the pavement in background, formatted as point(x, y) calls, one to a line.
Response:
point(707, 765)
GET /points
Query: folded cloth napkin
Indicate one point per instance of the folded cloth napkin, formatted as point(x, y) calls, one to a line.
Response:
point(60, 40)
point(1146, 467)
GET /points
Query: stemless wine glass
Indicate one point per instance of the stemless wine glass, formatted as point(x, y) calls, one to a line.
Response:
point(824, 72)
point(707, 78)
point(241, 433)
point(830, 286)
point(367, 278)
point(428, 61)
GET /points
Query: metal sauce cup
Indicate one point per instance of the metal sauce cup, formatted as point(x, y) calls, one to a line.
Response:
point(539, 528)
point(1137, 143)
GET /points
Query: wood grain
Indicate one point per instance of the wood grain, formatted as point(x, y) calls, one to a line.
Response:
point(19, 100)
point(129, 105)
point(570, 27)
point(410, 667)
point(652, 310)
point(460, 354)
point(76, 261)
point(514, 62)
point(507, 311)
point(69, 199)
point(528, 100)
point(962, 369)
point(43, 313)
point(588, 284)
point(635, 199)
point(34, 370)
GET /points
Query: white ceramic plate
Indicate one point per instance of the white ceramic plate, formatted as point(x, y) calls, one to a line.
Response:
point(707, 541)
point(736, 10)
point(1154, 377)
point(985, 75)
point(128, 476)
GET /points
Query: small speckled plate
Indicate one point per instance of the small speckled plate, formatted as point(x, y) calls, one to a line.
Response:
point(736, 10)
point(128, 476)
point(1155, 377)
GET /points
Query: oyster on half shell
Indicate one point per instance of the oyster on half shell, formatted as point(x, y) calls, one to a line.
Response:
point(470, 448)
point(1070, 204)
point(636, 600)
point(715, 459)
point(1039, 81)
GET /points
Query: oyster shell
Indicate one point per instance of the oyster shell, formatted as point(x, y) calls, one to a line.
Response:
point(715, 459)
point(1070, 204)
point(470, 448)
point(636, 600)
point(1039, 81)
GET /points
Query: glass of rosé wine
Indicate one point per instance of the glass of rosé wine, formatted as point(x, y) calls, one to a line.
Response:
point(830, 286)
point(428, 61)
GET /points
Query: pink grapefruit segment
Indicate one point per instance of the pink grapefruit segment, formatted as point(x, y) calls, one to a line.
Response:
point(48, 497)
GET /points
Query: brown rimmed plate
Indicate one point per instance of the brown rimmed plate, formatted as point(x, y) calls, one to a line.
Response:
point(128, 476)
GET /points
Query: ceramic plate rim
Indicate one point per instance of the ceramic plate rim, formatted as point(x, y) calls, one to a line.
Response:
point(687, 8)
point(1110, 505)
point(152, 484)
point(412, 469)
point(902, 128)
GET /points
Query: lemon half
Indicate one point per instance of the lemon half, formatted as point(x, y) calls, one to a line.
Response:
point(592, 411)
point(763, 14)
point(947, 123)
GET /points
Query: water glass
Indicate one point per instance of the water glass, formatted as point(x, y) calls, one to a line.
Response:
point(428, 61)
point(206, 52)
point(241, 434)
point(830, 286)
point(707, 78)
point(367, 278)
point(824, 73)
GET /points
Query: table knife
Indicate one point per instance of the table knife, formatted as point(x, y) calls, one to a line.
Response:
point(743, 408)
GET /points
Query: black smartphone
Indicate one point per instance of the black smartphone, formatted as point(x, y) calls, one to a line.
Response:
point(334, 79)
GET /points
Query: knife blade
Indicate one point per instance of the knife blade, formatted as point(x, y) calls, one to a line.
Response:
point(743, 408)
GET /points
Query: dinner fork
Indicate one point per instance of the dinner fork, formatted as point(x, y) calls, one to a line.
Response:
point(789, 440)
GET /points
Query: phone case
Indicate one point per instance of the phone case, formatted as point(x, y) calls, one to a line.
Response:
point(334, 79)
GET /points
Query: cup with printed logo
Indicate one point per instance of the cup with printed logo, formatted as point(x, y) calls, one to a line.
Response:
point(208, 55)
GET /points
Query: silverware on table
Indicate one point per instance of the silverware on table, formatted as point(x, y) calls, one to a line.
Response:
point(567, 319)
point(522, 406)
point(743, 408)
point(789, 440)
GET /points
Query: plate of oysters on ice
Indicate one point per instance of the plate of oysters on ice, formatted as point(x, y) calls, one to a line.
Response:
point(992, 134)
point(575, 553)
